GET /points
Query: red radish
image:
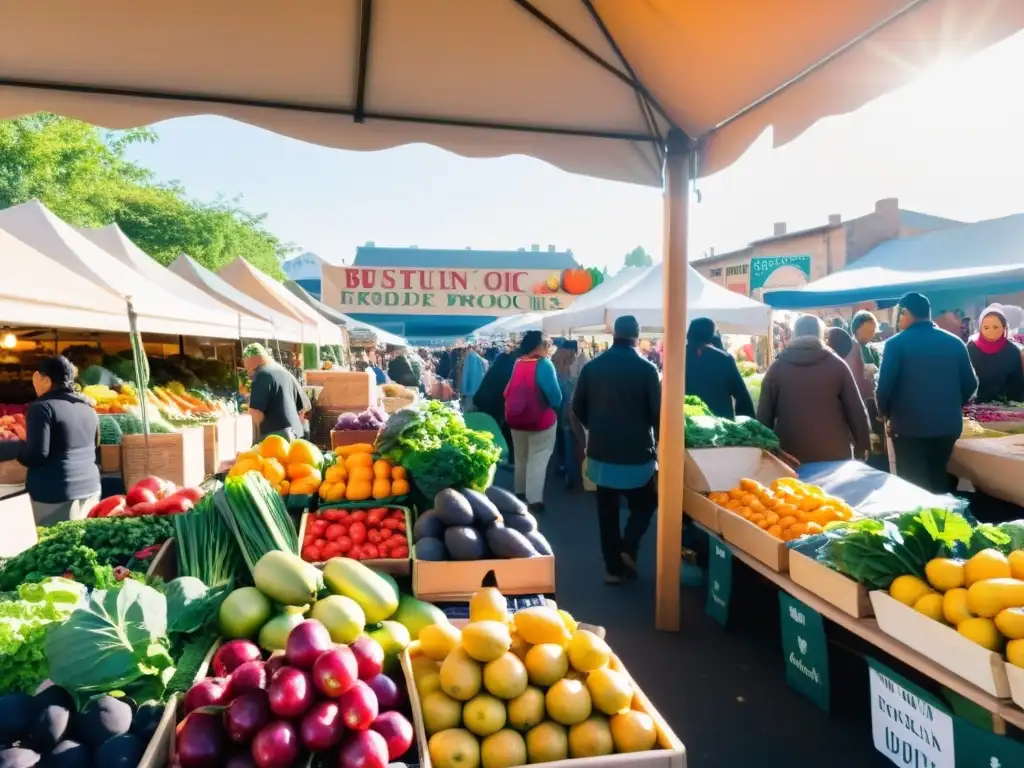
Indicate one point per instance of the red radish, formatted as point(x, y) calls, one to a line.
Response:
point(290, 693)
point(397, 732)
point(335, 671)
point(387, 692)
point(191, 493)
point(234, 654)
point(369, 656)
point(142, 509)
point(366, 749)
point(211, 692)
point(246, 715)
point(276, 745)
point(200, 741)
point(321, 728)
point(139, 495)
point(306, 642)
point(273, 664)
point(173, 505)
point(359, 706)
point(250, 676)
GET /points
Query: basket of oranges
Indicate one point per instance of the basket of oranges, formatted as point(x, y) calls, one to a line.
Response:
point(787, 509)
point(356, 475)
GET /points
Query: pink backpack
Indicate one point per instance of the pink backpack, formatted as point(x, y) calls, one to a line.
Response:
point(525, 407)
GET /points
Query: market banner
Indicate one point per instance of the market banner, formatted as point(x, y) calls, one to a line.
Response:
point(805, 650)
point(775, 272)
point(908, 725)
point(719, 579)
point(416, 291)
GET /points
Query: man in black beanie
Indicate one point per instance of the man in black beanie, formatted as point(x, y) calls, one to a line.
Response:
point(618, 401)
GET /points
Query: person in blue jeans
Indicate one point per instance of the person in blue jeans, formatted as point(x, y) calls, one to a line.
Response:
point(570, 459)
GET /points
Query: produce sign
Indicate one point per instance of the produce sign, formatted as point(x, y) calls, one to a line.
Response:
point(787, 510)
point(414, 291)
point(380, 533)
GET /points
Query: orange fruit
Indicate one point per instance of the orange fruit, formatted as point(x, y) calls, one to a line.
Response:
point(798, 529)
point(274, 447)
point(381, 469)
point(284, 487)
point(399, 487)
point(775, 531)
point(325, 488)
point(358, 490)
point(771, 518)
point(764, 525)
point(301, 471)
point(304, 452)
point(757, 506)
point(399, 473)
point(748, 499)
point(359, 460)
point(361, 473)
point(814, 528)
point(756, 519)
point(785, 522)
point(335, 474)
point(737, 493)
point(274, 471)
point(381, 488)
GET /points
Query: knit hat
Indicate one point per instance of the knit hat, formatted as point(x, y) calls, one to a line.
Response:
point(626, 327)
point(58, 370)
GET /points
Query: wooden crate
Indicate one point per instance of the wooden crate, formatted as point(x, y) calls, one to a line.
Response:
point(245, 436)
point(218, 443)
point(345, 390)
point(455, 581)
point(343, 437)
point(178, 457)
point(165, 562)
point(110, 459)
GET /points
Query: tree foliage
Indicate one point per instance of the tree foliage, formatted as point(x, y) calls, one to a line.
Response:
point(638, 257)
point(83, 175)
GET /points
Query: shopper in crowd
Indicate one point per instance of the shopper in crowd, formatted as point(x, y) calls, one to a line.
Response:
point(842, 343)
point(925, 379)
point(712, 374)
point(474, 367)
point(618, 402)
point(277, 403)
point(490, 395)
point(374, 367)
point(61, 436)
point(400, 369)
point(996, 359)
point(568, 451)
point(532, 402)
point(810, 399)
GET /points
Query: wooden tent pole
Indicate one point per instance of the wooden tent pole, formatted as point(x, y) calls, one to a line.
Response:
point(678, 168)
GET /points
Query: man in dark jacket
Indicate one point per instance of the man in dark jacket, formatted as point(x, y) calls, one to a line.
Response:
point(618, 402)
point(277, 403)
point(490, 395)
point(713, 375)
point(401, 371)
point(925, 380)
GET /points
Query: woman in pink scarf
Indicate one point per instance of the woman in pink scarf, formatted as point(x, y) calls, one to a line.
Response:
point(996, 359)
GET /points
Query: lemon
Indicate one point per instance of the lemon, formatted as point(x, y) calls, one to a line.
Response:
point(454, 748)
point(1010, 622)
point(440, 712)
point(944, 573)
point(484, 715)
point(1015, 653)
point(547, 742)
point(527, 709)
point(437, 640)
point(587, 651)
point(633, 731)
point(486, 640)
point(591, 738)
point(428, 683)
point(908, 590)
point(541, 624)
point(987, 564)
point(610, 691)
point(421, 665)
point(488, 605)
point(570, 623)
point(546, 664)
point(954, 606)
point(519, 646)
point(930, 605)
point(504, 749)
point(505, 677)
point(981, 631)
point(461, 677)
point(568, 702)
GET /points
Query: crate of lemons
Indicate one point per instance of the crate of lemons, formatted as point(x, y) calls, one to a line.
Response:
point(531, 688)
point(787, 509)
point(982, 597)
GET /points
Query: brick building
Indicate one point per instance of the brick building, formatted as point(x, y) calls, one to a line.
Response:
point(791, 259)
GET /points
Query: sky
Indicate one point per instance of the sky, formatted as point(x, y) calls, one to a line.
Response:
point(949, 144)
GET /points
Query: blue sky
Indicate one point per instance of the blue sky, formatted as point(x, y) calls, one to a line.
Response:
point(951, 144)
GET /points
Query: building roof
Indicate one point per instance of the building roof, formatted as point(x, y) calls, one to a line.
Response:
point(443, 258)
point(305, 266)
point(926, 221)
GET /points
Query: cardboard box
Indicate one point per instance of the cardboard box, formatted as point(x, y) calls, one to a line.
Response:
point(245, 436)
point(754, 541)
point(457, 580)
point(13, 473)
point(178, 457)
point(831, 586)
point(110, 459)
point(942, 644)
point(992, 465)
point(720, 469)
point(345, 390)
point(702, 510)
point(394, 566)
point(670, 753)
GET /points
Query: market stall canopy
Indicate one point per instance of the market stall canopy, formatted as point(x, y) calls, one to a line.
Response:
point(357, 330)
point(117, 244)
point(981, 258)
point(251, 281)
point(591, 304)
point(643, 298)
point(531, 321)
point(38, 290)
point(283, 328)
point(158, 310)
point(591, 86)
point(494, 328)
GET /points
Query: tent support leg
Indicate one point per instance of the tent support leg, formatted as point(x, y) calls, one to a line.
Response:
point(678, 165)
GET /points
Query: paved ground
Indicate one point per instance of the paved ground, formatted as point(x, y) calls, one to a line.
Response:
point(722, 690)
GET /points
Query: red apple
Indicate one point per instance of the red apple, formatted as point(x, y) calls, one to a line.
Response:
point(366, 749)
point(335, 671)
point(388, 694)
point(369, 656)
point(359, 707)
point(397, 732)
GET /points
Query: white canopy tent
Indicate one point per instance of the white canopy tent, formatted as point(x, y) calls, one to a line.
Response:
point(283, 327)
point(246, 278)
point(158, 310)
point(117, 244)
point(588, 310)
point(62, 299)
point(357, 330)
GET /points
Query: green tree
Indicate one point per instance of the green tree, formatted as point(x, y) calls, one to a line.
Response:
point(638, 257)
point(83, 175)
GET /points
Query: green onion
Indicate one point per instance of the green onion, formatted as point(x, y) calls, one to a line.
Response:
point(257, 517)
point(206, 546)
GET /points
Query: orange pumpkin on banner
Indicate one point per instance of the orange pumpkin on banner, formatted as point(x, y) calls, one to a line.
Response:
point(576, 282)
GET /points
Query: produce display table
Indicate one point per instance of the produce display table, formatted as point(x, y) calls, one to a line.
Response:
point(992, 465)
point(867, 490)
point(11, 490)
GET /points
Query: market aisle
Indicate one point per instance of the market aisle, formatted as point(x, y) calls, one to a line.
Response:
point(723, 691)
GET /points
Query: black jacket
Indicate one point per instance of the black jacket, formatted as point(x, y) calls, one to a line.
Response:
point(713, 376)
point(1000, 376)
point(62, 432)
point(618, 401)
point(490, 395)
point(400, 371)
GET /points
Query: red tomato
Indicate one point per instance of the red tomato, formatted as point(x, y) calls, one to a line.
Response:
point(330, 514)
point(373, 536)
point(344, 544)
point(398, 514)
point(369, 551)
point(358, 516)
point(375, 516)
point(400, 552)
point(399, 538)
point(318, 526)
point(400, 526)
point(334, 531)
point(357, 532)
point(383, 552)
point(308, 538)
point(311, 555)
point(344, 516)
point(355, 553)
point(320, 543)
point(390, 523)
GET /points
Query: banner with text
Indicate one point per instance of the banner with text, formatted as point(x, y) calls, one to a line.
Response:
point(415, 291)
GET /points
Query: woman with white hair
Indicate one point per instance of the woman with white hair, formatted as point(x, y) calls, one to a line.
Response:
point(811, 401)
point(996, 359)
